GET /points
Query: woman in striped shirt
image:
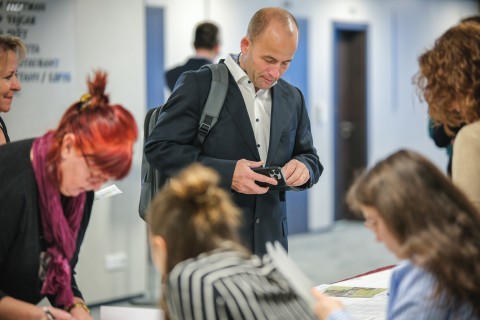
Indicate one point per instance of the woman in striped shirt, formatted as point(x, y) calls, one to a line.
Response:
point(425, 220)
point(206, 273)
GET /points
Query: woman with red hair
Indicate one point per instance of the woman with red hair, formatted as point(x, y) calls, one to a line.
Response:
point(46, 196)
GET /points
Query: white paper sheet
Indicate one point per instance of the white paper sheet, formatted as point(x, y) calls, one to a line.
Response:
point(107, 192)
point(366, 308)
point(129, 313)
point(297, 279)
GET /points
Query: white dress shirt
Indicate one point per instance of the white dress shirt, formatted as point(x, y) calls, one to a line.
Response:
point(259, 105)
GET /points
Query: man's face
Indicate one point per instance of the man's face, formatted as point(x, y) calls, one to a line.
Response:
point(268, 57)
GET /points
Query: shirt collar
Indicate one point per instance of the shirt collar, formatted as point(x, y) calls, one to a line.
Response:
point(238, 74)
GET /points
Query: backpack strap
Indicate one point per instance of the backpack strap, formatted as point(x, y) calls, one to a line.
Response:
point(215, 100)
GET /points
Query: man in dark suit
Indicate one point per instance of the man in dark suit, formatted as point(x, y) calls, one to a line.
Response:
point(206, 44)
point(263, 121)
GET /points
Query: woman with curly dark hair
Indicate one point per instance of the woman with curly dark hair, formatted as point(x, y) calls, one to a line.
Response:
point(425, 220)
point(449, 81)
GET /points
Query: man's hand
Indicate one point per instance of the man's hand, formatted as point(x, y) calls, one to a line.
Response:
point(244, 178)
point(296, 173)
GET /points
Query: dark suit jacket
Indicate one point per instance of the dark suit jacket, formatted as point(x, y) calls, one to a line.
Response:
point(172, 145)
point(173, 74)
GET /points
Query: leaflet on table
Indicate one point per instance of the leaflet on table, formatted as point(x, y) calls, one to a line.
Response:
point(362, 300)
point(107, 192)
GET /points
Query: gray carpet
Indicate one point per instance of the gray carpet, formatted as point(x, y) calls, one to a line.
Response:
point(345, 250)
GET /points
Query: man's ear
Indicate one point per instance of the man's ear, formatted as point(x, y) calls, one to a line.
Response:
point(245, 44)
point(68, 146)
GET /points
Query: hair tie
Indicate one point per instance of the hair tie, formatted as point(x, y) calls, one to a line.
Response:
point(86, 101)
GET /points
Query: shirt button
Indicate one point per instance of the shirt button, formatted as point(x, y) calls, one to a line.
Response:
point(258, 146)
point(257, 120)
point(257, 221)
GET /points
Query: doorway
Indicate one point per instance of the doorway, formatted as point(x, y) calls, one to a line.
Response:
point(350, 109)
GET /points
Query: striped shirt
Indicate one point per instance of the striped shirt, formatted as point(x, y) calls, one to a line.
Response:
point(411, 289)
point(229, 285)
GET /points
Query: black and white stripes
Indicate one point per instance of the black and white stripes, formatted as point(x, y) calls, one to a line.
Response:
point(229, 285)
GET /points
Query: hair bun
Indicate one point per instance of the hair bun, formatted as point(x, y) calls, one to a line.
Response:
point(96, 88)
point(198, 184)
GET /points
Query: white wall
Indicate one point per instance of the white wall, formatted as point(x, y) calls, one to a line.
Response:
point(110, 34)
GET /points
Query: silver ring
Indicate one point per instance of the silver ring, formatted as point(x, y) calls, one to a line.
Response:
point(48, 314)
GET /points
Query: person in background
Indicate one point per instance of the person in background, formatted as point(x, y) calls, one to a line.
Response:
point(206, 273)
point(444, 136)
point(263, 121)
point(46, 198)
point(12, 52)
point(207, 46)
point(426, 221)
point(449, 81)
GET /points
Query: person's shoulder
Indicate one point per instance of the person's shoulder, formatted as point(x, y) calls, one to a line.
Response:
point(284, 84)
point(471, 129)
point(469, 135)
point(16, 169)
point(413, 278)
point(196, 63)
point(11, 153)
point(213, 263)
point(191, 64)
point(287, 88)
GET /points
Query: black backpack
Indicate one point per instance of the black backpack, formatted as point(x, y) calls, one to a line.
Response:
point(152, 180)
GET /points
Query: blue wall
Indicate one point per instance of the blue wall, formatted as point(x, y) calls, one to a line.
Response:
point(297, 75)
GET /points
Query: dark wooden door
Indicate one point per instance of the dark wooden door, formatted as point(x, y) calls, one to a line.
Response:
point(350, 99)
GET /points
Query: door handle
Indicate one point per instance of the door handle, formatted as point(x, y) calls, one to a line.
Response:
point(346, 129)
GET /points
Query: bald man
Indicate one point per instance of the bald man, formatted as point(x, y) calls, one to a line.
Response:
point(264, 121)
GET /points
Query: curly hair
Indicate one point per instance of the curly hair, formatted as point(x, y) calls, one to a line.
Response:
point(432, 220)
point(449, 76)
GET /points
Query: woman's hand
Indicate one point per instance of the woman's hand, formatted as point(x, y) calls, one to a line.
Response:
point(50, 313)
point(80, 314)
point(325, 305)
point(14, 309)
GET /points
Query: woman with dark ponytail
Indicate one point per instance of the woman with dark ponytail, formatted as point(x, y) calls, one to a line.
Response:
point(207, 274)
point(46, 197)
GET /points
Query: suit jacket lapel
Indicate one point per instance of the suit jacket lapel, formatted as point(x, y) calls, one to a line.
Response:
point(238, 110)
point(279, 120)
